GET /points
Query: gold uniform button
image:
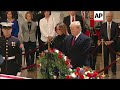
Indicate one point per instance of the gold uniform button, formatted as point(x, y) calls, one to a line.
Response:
point(6, 49)
point(6, 52)
point(6, 55)
point(6, 46)
point(6, 43)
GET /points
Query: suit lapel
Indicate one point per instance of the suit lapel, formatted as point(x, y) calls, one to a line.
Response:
point(26, 26)
point(70, 43)
point(106, 30)
point(78, 40)
point(112, 28)
point(31, 26)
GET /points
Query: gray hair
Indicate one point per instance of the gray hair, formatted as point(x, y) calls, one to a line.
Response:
point(76, 23)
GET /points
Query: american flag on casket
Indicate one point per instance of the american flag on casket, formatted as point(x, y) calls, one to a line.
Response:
point(4, 76)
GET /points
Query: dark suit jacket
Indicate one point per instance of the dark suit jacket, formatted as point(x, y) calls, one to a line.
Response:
point(79, 52)
point(114, 32)
point(66, 20)
point(58, 42)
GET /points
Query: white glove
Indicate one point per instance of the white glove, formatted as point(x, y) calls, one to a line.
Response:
point(19, 73)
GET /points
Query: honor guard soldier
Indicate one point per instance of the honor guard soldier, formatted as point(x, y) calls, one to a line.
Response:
point(11, 51)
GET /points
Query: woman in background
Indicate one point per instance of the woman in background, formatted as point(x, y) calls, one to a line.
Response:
point(29, 39)
point(15, 26)
point(47, 29)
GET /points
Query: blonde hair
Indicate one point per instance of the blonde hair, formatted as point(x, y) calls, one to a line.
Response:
point(31, 14)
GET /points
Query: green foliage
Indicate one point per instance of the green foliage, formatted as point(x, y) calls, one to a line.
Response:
point(53, 64)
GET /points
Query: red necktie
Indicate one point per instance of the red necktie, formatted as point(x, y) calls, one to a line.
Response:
point(73, 41)
point(73, 19)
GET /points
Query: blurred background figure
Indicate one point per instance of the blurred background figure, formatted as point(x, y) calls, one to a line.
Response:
point(21, 20)
point(109, 33)
point(47, 29)
point(11, 19)
point(29, 39)
point(61, 30)
point(93, 31)
point(71, 18)
point(37, 16)
point(3, 17)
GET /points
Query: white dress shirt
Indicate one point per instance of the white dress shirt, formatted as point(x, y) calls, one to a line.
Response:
point(108, 23)
point(47, 28)
point(107, 29)
point(77, 36)
point(71, 18)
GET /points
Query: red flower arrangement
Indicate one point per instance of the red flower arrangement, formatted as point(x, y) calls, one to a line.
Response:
point(53, 64)
point(84, 73)
point(59, 67)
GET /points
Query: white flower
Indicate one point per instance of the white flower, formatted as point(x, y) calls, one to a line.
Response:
point(87, 72)
point(46, 51)
point(91, 72)
point(65, 57)
point(70, 69)
point(86, 77)
point(98, 78)
point(57, 51)
point(55, 77)
point(73, 75)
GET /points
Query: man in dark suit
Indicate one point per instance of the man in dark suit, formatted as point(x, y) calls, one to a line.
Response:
point(77, 46)
point(73, 17)
point(109, 32)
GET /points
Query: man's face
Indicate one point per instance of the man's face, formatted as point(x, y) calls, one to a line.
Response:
point(74, 30)
point(109, 17)
point(72, 13)
point(6, 32)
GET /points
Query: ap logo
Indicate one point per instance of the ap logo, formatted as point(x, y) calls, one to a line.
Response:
point(98, 15)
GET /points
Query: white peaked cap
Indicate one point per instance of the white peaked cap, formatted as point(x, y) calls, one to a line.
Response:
point(6, 24)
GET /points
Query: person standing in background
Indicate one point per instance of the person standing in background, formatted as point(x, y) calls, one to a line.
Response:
point(47, 29)
point(109, 33)
point(92, 30)
point(37, 16)
point(29, 39)
point(71, 18)
point(15, 26)
point(21, 20)
point(3, 17)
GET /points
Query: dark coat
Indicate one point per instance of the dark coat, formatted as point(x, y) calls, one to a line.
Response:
point(10, 47)
point(66, 20)
point(79, 52)
point(58, 42)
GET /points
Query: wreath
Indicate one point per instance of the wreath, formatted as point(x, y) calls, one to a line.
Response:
point(53, 65)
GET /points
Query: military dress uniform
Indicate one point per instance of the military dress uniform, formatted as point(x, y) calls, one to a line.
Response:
point(10, 49)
